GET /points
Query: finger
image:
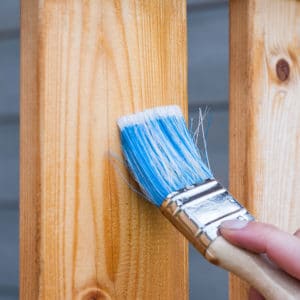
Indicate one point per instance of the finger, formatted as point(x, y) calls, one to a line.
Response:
point(281, 247)
point(255, 295)
point(297, 233)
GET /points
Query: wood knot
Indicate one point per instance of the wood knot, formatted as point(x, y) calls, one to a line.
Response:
point(282, 70)
point(93, 293)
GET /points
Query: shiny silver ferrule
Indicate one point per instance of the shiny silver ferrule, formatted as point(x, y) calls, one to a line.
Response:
point(198, 210)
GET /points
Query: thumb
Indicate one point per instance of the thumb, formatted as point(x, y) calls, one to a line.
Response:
point(282, 248)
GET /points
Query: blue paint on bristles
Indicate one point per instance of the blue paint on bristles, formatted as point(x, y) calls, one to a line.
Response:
point(160, 152)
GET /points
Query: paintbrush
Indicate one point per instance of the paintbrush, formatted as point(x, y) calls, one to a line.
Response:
point(163, 158)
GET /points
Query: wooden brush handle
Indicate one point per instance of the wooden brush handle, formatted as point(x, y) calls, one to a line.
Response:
point(270, 281)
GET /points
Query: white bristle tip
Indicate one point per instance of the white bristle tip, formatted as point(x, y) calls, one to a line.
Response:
point(163, 111)
point(129, 120)
point(153, 113)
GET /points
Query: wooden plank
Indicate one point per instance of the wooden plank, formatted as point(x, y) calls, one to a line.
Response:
point(30, 167)
point(264, 113)
point(84, 233)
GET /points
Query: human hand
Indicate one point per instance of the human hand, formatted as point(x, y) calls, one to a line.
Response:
point(282, 248)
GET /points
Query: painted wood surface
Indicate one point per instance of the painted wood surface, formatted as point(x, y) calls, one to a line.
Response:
point(265, 113)
point(84, 233)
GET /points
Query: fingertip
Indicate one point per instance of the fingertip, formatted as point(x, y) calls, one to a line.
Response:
point(248, 235)
point(233, 224)
point(231, 230)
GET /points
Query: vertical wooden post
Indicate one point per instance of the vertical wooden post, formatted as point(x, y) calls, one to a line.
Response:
point(84, 234)
point(265, 112)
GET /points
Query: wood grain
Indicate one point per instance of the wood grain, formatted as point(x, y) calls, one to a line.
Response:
point(83, 233)
point(264, 113)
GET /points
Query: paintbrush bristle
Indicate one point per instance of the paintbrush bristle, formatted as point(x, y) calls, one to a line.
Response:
point(160, 152)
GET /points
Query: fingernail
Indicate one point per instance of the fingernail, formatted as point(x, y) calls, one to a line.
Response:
point(234, 224)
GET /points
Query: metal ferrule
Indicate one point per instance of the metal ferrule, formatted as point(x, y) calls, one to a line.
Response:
point(198, 210)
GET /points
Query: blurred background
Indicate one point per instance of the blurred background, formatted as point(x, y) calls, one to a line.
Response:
point(208, 86)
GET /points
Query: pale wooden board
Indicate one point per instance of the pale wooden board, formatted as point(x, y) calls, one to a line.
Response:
point(83, 232)
point(264, 113)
